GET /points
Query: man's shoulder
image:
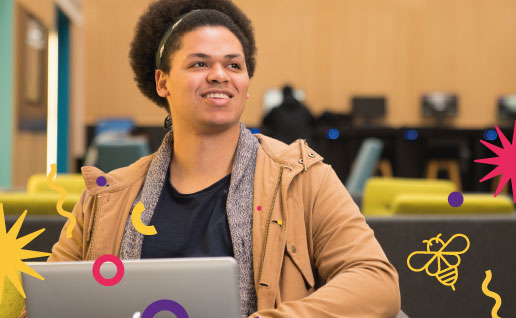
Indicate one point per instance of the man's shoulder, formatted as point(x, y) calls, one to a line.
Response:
point(98, 181)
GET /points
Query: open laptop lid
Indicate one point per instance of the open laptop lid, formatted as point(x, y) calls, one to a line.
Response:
point(204, 287)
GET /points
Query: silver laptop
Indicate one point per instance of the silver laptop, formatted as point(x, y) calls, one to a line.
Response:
point(203, 287)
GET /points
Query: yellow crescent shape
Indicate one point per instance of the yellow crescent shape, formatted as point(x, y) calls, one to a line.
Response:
point(59, 205)
point(136, 215)
point(488, 293)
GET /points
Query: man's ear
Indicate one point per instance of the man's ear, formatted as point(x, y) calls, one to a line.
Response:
point(161, 83)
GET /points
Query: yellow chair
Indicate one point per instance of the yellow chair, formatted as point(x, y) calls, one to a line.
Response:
point(40, 199)
point(12, 302)
point(424, 203)
point(451, 166)
point(36, 203)
point(384, 168)
point(379, 193)
point(496, 181)
point(73, 183)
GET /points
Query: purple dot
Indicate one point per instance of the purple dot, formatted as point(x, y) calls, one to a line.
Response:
point(455, 199)
point(101, 181)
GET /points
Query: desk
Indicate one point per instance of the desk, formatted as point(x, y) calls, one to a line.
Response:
point(493, 246)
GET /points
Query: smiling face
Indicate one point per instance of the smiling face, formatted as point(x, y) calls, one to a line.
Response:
point(207, 84)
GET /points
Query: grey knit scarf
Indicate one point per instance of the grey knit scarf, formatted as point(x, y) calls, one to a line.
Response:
point(239, 207)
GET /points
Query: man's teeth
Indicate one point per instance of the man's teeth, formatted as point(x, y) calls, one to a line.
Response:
point(217, 95)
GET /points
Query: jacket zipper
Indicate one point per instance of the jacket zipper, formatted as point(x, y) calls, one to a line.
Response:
point(90, 247)
point(267, 224)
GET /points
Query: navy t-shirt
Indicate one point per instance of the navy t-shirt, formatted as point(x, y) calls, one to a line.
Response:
point(190, 225)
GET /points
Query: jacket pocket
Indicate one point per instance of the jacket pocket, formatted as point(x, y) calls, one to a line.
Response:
point(301, 263)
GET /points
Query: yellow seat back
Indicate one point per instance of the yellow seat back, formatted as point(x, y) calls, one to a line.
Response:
point(380, 193)
point(36, 203)
point(425, 203)
point(72, 183)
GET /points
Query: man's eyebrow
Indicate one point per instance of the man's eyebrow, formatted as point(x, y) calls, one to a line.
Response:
point(198, 55)
point(232, 56)
point(207, 57)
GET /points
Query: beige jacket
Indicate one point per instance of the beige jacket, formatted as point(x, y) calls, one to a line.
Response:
point(305, 225)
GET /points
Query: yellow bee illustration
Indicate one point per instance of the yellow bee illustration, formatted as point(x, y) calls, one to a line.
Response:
point(442, 263)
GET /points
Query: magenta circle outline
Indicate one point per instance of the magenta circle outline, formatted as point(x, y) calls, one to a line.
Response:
point(120, 269)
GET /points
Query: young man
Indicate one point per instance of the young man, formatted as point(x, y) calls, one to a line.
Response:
point(214, 189)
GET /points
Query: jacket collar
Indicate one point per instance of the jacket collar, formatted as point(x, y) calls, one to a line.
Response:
point(117, 179)
point(297, 156)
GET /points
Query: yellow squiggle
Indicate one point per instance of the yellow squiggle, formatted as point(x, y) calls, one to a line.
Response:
point(136, 218)
point(59, 205)
point(495, 296)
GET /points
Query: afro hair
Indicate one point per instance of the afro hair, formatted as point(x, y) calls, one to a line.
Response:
point(161, 15)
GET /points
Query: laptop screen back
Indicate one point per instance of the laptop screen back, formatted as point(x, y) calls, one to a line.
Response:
point(204, 287)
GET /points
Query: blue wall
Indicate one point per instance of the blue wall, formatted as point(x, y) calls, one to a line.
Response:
point(63, 95)
point(6, 90)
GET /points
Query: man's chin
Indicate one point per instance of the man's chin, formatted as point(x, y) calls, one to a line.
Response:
point(219, 126)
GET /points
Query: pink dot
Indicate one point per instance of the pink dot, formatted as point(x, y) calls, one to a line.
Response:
point(259, 208)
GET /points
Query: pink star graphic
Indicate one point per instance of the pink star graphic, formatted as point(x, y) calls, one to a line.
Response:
point(506, 162)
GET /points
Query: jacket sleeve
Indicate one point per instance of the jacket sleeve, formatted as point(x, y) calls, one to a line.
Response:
point(69, 249)
point(360, 281)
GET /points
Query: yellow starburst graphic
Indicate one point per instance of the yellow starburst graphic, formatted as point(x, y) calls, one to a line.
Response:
point(12, 253)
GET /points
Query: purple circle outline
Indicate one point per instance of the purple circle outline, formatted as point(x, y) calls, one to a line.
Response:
point(164, 305)
point(455, 199)
point(101, 181)
point(120, 269)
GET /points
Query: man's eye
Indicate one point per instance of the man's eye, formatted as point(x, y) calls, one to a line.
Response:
point(199, 64)
point(235, 65)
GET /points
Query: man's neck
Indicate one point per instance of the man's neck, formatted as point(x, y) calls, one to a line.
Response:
point(199, 160)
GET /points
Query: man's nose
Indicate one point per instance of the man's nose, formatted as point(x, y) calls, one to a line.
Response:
point(217, 74)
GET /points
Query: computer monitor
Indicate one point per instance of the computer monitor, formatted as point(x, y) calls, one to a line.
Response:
point(507, 107)
point(123, 125)
point(368, 108)
point(439, 106)
point(274, 97)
